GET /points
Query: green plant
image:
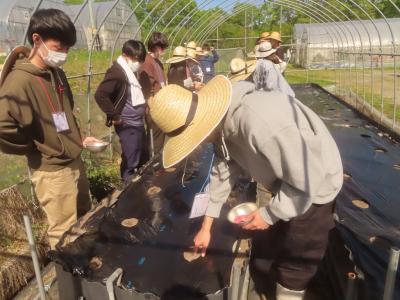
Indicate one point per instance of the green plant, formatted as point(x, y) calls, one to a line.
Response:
point(103, 177)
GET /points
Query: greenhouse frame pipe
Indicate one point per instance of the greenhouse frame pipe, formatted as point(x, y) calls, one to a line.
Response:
point(360, 39)
point(380, 46)
point(90, 61)
point(122, 29)
point(162, 16)
point(338, 31)
point(212, 26)
point(203, 21)
point(362, 23)
point(394, 60)
point(145, 19)
point(216, 14)
point(291, 5)
point(80, 11)
point(184, 21)
point(170, 21)
point(27, 26)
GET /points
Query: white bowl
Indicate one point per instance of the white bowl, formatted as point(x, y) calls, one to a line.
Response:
point(96, 146)
point(242, 209)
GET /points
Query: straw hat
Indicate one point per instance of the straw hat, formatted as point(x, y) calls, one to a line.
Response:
point(264, 50)
point(178, 55)
point(264, 35)
point(240, 69)
point(275, 36)
point(191, 45)
point(188, 122)
point(192, 54)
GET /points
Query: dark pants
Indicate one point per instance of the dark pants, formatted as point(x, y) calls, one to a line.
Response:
point(131, 139)
point(295, 249)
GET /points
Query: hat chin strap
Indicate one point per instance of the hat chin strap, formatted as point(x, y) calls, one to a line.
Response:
point(189, 117)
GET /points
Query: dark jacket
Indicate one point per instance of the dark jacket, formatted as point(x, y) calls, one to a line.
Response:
point(207, 65)
point(112, 93)
point(26, 122)
point(281, 53)
point(149, 78)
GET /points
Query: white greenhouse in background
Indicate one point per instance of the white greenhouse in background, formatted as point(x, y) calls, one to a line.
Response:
point(343, 44)
point(15, 15)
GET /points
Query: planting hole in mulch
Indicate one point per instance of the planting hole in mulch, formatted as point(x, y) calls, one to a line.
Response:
point(153, 190)
point(95, 263)
point(360, 203)
point(130, 222)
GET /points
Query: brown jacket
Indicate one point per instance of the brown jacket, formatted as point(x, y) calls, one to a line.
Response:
point(26, 122)
point(150, 78)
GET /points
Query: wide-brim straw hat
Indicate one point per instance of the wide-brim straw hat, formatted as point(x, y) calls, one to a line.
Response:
point(275, 36)
point(240, 69)
point(178, 55)
point(264, 50)
point(172, 105)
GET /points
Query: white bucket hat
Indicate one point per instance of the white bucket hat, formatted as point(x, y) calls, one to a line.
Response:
point(264, 49)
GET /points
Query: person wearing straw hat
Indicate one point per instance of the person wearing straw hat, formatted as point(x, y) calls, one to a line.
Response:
point(275, 39)
point(263, 37)
point(279, 142)
point(196, 73)
point(191, 45)
point(241, 70)
point(179, 72)
point(267, 75)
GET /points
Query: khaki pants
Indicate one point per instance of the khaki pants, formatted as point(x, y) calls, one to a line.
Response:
point(64, 197)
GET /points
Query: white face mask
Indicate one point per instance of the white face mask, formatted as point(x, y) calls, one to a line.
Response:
point(134, 66)
point(53, 59)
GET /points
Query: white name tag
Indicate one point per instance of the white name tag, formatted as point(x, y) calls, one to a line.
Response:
point(208, 70)
point(60, 121)
point(200, 204)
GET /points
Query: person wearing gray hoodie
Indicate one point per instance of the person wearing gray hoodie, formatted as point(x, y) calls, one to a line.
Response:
point(279, 142)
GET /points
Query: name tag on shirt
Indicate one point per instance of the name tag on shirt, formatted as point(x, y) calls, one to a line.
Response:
point(208, 70)
point(60, 121)
point(200, 204)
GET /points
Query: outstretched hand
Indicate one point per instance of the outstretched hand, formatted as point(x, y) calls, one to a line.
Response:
point(201, 241)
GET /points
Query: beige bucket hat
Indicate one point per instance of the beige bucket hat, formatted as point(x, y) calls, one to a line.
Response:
point(191, 45)
point(178, 55)
point(275, 36)
point(188, 118)
point(264, 35)
point(240, 69)
point(192, 55)
point(264, 50)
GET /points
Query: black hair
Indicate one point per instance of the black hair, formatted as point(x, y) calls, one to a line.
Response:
point(136, 49)
point(177, 73)
point(157, 39)
point(206, 47)
point(52, 24)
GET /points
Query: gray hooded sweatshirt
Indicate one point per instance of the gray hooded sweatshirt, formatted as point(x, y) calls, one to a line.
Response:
point(283, 145)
